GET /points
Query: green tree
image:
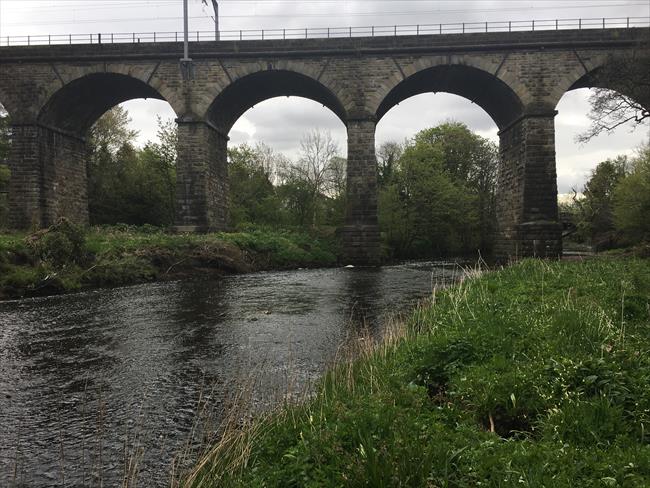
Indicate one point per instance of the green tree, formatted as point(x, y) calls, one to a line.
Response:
point(127, 184)
point(424, 211)
point(388, 155)
point(632, 200)
point(253, 198)
point(438, 197)
point(596, 218)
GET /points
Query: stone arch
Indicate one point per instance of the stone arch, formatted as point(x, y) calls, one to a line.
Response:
point(76, 106)
point(480, 87)
point(594, 71)
point(244, 93)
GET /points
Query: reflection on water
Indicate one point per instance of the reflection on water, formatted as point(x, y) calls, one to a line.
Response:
point(83, 375)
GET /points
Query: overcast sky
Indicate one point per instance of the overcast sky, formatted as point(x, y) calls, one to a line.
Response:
point(281, 122)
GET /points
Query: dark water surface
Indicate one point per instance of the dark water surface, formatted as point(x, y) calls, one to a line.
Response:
point(91, 378)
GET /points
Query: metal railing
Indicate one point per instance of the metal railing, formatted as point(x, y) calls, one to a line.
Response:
point(331, 32)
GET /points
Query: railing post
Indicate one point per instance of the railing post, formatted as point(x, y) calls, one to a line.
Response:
point(241, 37)
point(134, 38)
point(510, 26)
point(533, 25)
point(440, 28)
point(373, 31)
point(99, 38)
point(556, 24)
point(486, 27)
point(628, 22)
point(284, 33)
point(49, 39)
point(70, 35)
point(350, 31)
point(112, 38)
point(417, 30)
point(197, 36)
point(306, 34)
point(262, 34)
point(328, 32)
point(395, 30)
point(154, 36)
point(603, 22)
point(29, 42)
point(579, 24)
point(463, 27)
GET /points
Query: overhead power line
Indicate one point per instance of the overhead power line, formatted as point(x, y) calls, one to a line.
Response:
point(321, 15)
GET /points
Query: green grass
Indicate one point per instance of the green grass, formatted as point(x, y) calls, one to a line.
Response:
point(533, 376)
point(67, 258)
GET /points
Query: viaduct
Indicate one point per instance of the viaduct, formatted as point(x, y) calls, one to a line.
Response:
point(54, 94)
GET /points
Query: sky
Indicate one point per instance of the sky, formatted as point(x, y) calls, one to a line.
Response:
point(282, 122)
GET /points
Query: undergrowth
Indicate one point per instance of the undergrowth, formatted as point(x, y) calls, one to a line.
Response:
point(536, 375)
point(67, 258)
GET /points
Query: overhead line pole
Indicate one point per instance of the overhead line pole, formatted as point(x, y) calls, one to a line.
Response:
point(186, 40)
point(215, 5)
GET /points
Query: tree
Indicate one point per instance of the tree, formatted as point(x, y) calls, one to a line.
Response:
point(111, 131)
point(632, 200)
point(426, 208)
point(127, 184)
point(596, 219)
point(388, 155)
point(314, 170)
point(253, 198)
point(625, 100)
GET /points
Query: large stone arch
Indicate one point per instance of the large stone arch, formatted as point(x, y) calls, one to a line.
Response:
point(527, 186)
point(475, 84)
point(600, 70)
point(76, 106)
point(48, 159)
point(247, 91)
point(202, 170)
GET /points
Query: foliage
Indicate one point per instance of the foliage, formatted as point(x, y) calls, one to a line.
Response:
point(65, 257)
point(632, 201)
point(126, 184)
point(532, 376)
point(437, 193)
point(268, 189)
point(253, 197)
point(596, 218)
point(61, 244)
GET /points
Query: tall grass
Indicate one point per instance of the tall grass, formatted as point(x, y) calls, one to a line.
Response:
point(532, 376)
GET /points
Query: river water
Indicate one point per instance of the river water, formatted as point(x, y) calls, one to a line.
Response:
point(91, 382)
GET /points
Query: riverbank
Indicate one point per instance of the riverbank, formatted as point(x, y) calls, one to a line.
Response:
point(535, 375)
point(66, 258)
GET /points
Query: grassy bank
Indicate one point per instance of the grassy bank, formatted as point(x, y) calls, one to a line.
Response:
point(66, 258)
point(536, 375)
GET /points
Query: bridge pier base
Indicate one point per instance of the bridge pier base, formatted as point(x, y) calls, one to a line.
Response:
point(361, 239)
point(201, 178)
point(48, 177)
point(527, 212)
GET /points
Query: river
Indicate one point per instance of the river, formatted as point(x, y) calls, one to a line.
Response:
point(90, 379)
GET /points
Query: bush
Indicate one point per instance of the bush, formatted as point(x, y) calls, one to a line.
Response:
point(60, 245)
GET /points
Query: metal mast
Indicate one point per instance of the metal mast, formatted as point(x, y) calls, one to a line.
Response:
point(186, 42)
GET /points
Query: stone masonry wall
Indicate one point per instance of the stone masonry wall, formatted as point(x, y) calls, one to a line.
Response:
point(527, 213)
point(49, 178)
point(201, 179)
point(361, 238)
